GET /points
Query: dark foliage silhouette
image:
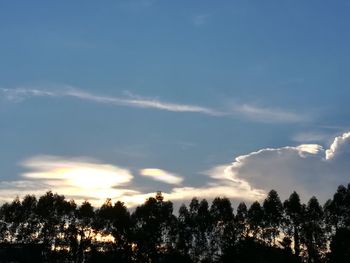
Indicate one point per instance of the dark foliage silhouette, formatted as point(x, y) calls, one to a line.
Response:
point(53, 229)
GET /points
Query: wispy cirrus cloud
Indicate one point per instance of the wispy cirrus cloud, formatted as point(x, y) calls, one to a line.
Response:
point(268, 115)
point(18, 94)
point(200, 19)
point(241, 111)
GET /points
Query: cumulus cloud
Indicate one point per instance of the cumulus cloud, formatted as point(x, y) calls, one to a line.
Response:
point(308, 168)
point(340, 147)
point(161, 175)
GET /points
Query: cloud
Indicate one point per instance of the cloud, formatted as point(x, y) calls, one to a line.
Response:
point(243, 111)
point(79, 177)
point(200, 20)
point(340, 147)
point(140, 102)
point(310, 137)
point(308, 168)
point(84, 178)
point(268, 115)
point(161, 175)
point(19, 94)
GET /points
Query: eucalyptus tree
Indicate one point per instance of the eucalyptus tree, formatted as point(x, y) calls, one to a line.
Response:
point(184, 231)
point(313, 231)
point(223, 227)
point(241, 220)
point(293, 219)
point(83, 232)
point(340, 246)
point(255, 218)
point(201, 226)
point(152, 223)
point(114, 220)
point(11, 217)
point(273, 215)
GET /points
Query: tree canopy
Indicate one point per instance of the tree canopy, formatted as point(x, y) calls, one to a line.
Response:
point(267, 231)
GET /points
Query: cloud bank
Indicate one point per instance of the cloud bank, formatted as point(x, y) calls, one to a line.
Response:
point(88, 179)
point(308, 168)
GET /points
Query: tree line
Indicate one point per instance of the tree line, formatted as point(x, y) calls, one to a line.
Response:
point(271, 231)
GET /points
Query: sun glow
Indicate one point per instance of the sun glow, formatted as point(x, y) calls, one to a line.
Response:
point(77, 177)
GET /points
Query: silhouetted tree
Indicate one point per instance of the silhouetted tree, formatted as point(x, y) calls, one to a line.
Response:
point(152, 222)
point(273, 215)
point(255, 219)
point(340, 246)
point(198, 234)
point(223, 229)
point(293, 220)
point(115, 221)
point(84, 230)
point(313, 231)
point(29, 227)
point(184, 228)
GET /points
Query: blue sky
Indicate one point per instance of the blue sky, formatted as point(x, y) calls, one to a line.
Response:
point(182, 87)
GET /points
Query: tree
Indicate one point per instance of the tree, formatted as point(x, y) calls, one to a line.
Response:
point(340, 246)
point(273, 214)
point(241, 220)
point(201, 229)
point(115, 221)
point(293, 220)
point(223, 231)
point(255, 218)
point(313, 231)
point(184, 234)
point(152, 223)
point(83, 231)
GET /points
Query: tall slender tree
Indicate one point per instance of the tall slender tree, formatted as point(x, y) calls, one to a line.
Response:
point(293, 220)
point(313, 231)
point(255, 219)
point(241, 220)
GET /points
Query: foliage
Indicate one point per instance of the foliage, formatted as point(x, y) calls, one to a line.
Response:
point(200, 232)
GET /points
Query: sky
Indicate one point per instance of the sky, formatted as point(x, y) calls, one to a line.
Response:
point(124, 98)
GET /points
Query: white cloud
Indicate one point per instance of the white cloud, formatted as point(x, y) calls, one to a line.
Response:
point(81, 177)
point(85, 178)
point(139, 102)
point(242, 111)
point(268, 115)
point(340, 146)
point(19, 94)
point(161, 175)
point(307, 168)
